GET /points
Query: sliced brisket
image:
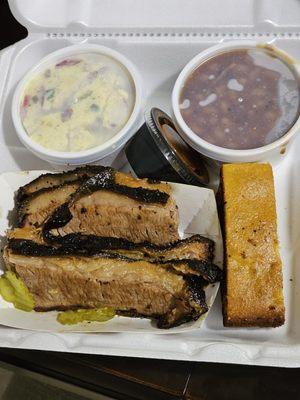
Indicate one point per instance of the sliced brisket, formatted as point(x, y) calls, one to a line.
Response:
point(115, 205)
point(136, 288)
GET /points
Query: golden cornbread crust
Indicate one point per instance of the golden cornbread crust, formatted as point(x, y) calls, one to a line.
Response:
point(252, 289)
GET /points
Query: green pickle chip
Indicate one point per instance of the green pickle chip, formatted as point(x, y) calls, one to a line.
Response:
point(13, 290)
point(74, 317)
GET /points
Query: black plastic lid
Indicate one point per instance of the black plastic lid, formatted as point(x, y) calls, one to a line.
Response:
point(157, 151)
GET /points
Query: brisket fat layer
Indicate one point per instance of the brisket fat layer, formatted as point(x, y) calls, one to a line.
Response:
point(53, 180)
point(210, 272)
point(30, 242)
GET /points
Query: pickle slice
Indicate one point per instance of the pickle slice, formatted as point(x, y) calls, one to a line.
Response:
point(6, 290)
point(74, 317)
point(13, 290)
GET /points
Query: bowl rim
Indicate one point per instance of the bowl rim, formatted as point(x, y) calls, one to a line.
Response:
point(94, 153)
point(209, 149)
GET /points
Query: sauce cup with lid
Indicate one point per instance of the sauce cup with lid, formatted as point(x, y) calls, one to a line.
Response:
point(111, 83)
point(285, 73)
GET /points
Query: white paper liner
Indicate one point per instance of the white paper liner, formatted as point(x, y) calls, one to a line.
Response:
point(197, 214)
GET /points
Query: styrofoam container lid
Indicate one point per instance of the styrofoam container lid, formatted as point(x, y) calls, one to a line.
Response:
point(45, 15)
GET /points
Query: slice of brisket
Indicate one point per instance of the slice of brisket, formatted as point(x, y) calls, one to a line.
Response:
point(132, 287)
point(114, 205)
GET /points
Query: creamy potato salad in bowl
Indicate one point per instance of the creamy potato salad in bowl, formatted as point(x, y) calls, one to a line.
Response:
point(80, 104)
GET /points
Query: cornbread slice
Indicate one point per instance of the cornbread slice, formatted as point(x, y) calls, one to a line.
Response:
point(252, 290)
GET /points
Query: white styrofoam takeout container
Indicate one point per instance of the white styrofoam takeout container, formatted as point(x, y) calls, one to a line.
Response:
point(265, 153)
point(160, 38)
point(95, 154)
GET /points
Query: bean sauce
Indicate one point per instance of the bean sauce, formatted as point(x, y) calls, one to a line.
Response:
point(241, 99)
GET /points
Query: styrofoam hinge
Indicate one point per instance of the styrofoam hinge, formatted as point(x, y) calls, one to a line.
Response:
point(157, 34)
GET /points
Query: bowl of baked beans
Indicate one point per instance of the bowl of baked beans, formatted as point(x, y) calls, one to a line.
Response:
point(238, 101)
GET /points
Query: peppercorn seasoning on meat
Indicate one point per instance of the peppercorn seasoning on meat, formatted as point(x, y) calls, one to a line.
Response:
point(252, 292)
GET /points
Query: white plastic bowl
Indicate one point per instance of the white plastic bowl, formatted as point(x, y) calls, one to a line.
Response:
point(107, 150)
point(269, 152)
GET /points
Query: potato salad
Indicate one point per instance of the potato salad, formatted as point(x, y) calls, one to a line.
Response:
point(78, 103)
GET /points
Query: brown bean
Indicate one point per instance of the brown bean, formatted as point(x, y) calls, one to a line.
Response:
point(255, 109)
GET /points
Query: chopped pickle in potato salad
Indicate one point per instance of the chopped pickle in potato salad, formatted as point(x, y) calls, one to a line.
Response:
point(78, 103)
